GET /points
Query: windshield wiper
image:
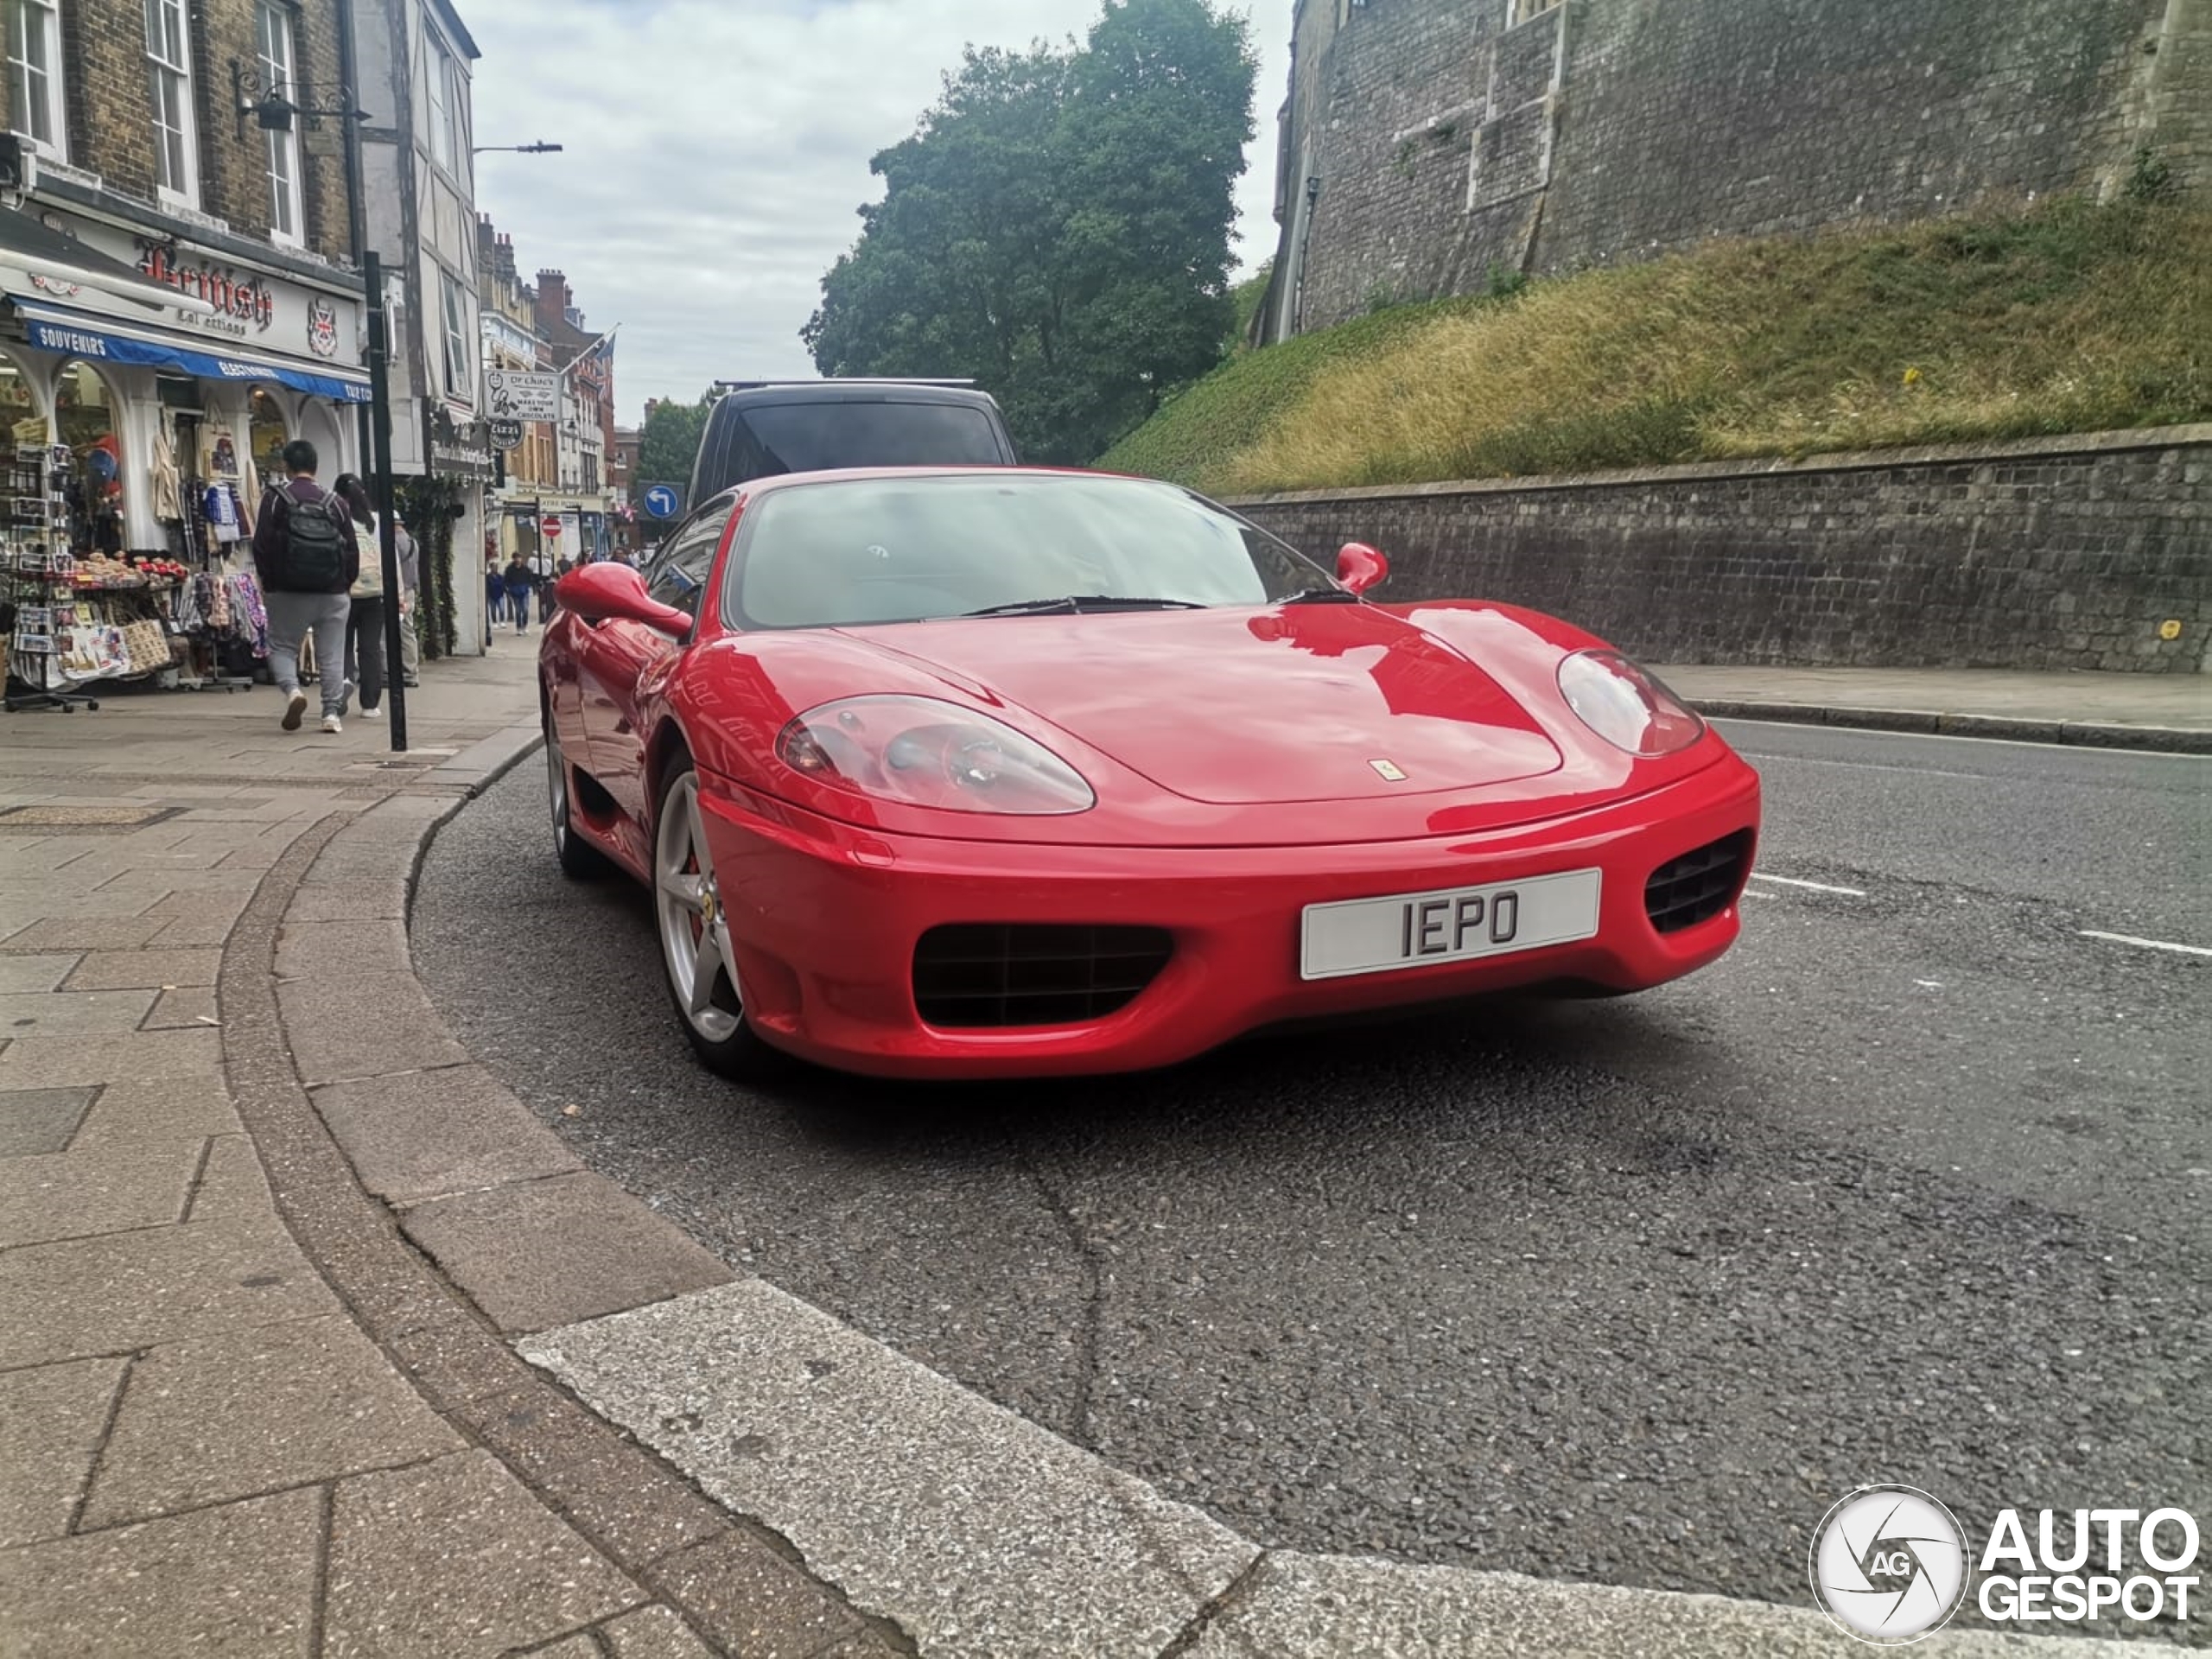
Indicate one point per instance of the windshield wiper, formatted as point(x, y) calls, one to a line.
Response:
point(1073, 603)
point(1321, 596)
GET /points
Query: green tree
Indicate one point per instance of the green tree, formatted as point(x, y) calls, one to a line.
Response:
point(1057, 228)
point(669, 442)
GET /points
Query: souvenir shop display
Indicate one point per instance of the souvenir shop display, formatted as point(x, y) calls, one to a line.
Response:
point(41, 629)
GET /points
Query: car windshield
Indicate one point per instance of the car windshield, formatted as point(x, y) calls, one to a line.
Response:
point(853, 551)
point(820, 436)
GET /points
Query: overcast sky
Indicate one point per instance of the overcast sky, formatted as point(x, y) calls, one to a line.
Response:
point(717, 150)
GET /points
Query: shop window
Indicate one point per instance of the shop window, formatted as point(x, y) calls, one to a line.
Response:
point(274, 36)
point(34, 105)
point(84, 423)
point(267, 435)
point(168, 66)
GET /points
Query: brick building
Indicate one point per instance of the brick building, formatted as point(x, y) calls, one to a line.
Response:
point(1425, 144)
point(176, 261)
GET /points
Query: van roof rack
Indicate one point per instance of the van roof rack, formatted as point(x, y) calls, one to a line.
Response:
point(845, 380)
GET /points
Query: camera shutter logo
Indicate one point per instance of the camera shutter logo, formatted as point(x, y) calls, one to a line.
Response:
point(1889, 1564)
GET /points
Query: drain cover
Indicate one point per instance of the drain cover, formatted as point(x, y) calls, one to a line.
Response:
point(128, 816)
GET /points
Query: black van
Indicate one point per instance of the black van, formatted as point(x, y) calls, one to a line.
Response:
point(759, 428)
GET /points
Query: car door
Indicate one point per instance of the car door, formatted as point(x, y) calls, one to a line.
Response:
point(617, 653)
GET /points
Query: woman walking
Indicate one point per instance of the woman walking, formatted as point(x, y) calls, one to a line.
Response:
point(365, 617)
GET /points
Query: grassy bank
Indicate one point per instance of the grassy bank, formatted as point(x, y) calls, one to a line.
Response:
point(2067, 318)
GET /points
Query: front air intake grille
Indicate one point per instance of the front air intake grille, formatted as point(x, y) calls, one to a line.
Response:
point(1023, 974)
point(1698, 886)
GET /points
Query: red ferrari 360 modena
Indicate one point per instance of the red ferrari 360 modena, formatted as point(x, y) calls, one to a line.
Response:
point(967, 772)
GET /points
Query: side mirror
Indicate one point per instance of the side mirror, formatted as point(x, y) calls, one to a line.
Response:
point(611, 591)
point(1359, 566)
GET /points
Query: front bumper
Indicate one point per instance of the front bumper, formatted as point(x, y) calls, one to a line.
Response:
point(824, 919)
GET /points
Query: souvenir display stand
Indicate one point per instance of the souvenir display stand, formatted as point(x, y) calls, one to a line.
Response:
point(38, 611)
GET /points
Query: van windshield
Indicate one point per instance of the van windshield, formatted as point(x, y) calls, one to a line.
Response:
point(813, 437)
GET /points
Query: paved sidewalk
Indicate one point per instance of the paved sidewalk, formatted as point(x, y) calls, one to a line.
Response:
point(2131, 711)
point(237, 1414)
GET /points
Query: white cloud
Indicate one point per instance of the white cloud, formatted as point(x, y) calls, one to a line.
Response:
point(716, 151)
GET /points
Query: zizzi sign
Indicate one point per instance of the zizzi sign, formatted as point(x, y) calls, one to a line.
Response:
point(238, 301)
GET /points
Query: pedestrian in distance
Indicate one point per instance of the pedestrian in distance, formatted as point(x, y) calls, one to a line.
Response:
point(518, 585)
point(411, 592)
point(364, 630)
point(308, 559)
point(495, 598)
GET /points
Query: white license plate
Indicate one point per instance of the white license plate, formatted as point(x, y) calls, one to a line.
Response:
point(1407, 930)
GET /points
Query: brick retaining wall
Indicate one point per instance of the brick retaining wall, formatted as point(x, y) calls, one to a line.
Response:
point(2049, 553)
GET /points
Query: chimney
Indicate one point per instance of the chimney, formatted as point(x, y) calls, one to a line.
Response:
point(552, 296)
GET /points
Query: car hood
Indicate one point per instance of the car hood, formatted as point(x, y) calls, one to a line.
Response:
point(1231, 707)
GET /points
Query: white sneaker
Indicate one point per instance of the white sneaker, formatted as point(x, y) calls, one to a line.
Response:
point(332, 723)
point(296, 707)
point(371, 714)
point(346, 696)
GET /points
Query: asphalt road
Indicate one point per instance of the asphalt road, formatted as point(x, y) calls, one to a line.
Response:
point(1915, 1186)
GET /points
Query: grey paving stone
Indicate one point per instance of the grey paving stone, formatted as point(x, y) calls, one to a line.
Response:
point(233, 1185)
point(144, 1109)
point(51, 1419)
point(750, 1600)
point(122, 1291)
point(38, 1120)
point(456, 1558)
point(304, 949)
point(50, 1062)
point(117, 971)
point(1323, 1606)
point(654, 1632)
point(104, 1190)
point(221, 1417)
point(969, 1527)
point(39, 973)
point(83, 932)
point(73, 1014)
point(363, 1025)
point(542, 1253)
point(188, 1008)
point(581, 1645)
point(431, 1132)
point(235, 1581)
point(371, 901)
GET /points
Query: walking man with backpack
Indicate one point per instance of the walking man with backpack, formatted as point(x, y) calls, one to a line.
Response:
point(308, 560)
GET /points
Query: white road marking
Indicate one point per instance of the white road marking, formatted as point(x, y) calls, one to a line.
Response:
point(2147, 944)
point(1817, 886)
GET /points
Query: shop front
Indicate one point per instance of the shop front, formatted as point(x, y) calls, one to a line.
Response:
point(153, 427)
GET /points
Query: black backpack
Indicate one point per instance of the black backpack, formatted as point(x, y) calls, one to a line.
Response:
point(315, 547)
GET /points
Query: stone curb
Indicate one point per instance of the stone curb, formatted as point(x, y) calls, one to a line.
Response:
point(447, 1217)
point(2164, 740)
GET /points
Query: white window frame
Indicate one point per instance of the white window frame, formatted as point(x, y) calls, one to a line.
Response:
point(441, 78)
point(276, 41)
point(1521, 11)
point(45, 17)
point(459, 360)
point(173, 75)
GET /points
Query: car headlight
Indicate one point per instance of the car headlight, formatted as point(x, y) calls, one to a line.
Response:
point(1626, 705)
point(922, 751)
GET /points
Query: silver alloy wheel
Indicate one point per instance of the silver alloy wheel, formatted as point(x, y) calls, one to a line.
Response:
point(694, 932)
point(556, 782)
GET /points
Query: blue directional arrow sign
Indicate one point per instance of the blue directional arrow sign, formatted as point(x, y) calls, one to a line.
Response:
point(663, 500)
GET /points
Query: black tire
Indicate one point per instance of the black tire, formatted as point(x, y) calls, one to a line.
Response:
point(580, 859)
point(716, 1026)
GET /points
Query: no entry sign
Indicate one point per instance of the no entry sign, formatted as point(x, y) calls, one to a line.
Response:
point(549, 525)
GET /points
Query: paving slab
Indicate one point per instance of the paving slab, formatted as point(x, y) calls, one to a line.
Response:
point(49, 1061)
point(122, 1291)
point(106, 1190)
point(752, 1601)
point(52, 1418)
point(232, 1186)
point(654, 1632)
point(188, 1008)
point(38, 973)
point(223, 1417)
point(363, 1025)
point(427, 1135)
point(456, 1558)
point(120, 970)
point(305, 949)
point(34, 1121)
point(73, 1014)
point(373, 901)
point(535, 1254)
point(80, 931)
point(967, 1525)
point(156, 1109)
point(1323, 1606)
point(239, 1580)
